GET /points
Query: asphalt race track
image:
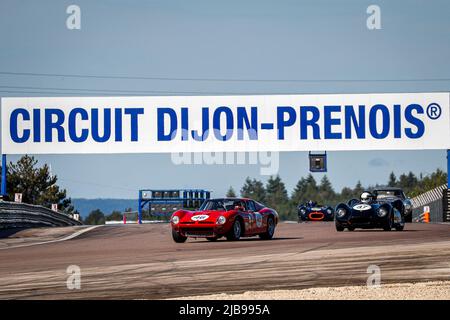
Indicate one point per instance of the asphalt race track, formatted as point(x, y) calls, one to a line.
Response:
point(142, 261)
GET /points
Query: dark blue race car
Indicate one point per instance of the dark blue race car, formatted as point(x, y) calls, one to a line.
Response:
point(311, 211)
point(369, 213)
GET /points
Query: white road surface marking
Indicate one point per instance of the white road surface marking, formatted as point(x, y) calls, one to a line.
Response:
point(69, 237)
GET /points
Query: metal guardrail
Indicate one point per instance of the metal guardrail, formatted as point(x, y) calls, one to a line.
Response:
point(428, 197)
point(433, 199)
point(22, 215)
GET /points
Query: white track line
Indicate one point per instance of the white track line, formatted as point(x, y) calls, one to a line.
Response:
point(69, 237)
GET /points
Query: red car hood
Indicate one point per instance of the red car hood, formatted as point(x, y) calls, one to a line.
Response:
point(206, 216)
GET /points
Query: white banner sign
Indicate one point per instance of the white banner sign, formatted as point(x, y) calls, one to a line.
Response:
point(399, 121)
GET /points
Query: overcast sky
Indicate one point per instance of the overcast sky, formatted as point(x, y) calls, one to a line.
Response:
point(320, 40)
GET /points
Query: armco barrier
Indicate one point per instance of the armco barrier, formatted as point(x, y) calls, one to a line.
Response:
point(432, 199)
point(22, 215)
point(429, 196)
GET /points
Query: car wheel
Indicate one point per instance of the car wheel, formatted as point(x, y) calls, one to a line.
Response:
point(235, 232)
point(177, 237)
point(388, 226)
point(400, 226)
point(351, 228)
point(339, 228)
point(270, 230)
point(408, 217)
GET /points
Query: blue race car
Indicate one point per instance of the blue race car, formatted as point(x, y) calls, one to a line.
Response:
point(370, 212)
point(311, 211)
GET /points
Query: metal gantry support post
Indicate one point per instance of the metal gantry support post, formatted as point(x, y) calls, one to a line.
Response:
point(448, 169)
point(140, 208)
point(446, 198)
point(4, 170)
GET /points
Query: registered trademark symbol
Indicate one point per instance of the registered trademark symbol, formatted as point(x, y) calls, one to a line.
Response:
point(434, 111)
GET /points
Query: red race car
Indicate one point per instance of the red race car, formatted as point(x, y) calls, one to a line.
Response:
point(230, 217)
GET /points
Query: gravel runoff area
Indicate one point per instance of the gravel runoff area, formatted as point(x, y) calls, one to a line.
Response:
point(434, 290)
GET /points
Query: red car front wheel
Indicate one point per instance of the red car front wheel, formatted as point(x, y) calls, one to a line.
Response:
point(177, 237)
point(235, 232)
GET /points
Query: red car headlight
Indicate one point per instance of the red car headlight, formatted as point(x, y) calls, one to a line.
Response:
point(175, 219)
point(221, 220)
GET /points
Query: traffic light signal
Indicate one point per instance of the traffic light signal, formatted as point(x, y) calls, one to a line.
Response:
point(318, 162)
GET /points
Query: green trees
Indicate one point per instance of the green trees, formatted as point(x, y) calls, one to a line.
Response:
point(95, 217)
point(358, 189)
point(231, 193)
point(300, 193)
point(277, 196)
point(114, 216)
point(308, 189)
point(326, 190)
point(413, 185)
point(275, 191)
point(37, 184)
point(407, 182)
point(392, 182)
point(346, 194)
point(254, 189)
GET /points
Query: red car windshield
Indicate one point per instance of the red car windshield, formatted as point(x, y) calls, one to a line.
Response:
point(221, 205)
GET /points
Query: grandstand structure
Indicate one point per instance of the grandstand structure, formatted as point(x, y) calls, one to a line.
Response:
point(161, 203)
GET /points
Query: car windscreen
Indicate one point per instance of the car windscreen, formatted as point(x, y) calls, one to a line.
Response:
point(221, 205)
point(389, 194)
